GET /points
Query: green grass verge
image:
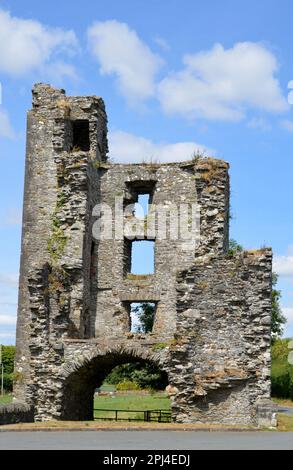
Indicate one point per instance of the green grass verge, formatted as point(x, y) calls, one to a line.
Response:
point(130, 402)
point(283, 401)
point(285, 423)
point(5, 399)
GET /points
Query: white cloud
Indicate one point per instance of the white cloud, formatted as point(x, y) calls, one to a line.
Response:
point(288, 328)
point(222, 84)
point(288, 125)
point(10, 279)
point(288, 312)
point(129, 148)
point(58, 71)
point(162, 43)
point(7, 320)
point(27, 45)
point(283, 265)
point(259, 123)
point(13, 217)
point(7, 335)
point(121, 52)
point(5, 125)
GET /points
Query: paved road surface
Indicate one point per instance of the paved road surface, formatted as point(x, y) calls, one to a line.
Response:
point(287, 410)
point(166, 440)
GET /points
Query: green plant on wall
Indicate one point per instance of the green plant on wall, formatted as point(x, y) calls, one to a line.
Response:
point(57, 240)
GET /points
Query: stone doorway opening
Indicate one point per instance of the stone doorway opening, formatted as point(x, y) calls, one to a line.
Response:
point(80, 391)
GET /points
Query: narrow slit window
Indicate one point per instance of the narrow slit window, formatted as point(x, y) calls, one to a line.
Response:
point(81, 135)
point(142, 316)
point(142, 257)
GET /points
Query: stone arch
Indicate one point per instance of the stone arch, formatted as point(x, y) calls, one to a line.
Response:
point(86, 371)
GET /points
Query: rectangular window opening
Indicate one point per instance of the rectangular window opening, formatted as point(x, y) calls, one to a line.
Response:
point(81, 135)
point(139, 257)
point(141, 207)
point(140, 194)
point(142, 316)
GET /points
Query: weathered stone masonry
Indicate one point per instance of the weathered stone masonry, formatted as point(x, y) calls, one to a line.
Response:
point(211, 333)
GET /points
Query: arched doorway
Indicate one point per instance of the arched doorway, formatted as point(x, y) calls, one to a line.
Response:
point(88, 374)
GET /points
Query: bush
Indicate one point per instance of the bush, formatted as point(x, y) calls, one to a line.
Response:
point(127, 385)
point(8, 353)
point(7, 382)
point(145, 375)
point(282, 371)
point(280, 350)
point(282, 385)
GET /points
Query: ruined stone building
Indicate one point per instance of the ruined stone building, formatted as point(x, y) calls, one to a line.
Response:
point(211, 333)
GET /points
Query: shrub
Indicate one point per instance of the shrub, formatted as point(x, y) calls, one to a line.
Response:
point(280, 350)
point(145, 375)
point(127, 385)
point(282, 371)
point(7, 382)
point(8, 353)
point(282, 386)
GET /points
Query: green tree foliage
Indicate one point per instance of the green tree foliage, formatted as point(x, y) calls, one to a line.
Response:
point(234, 247)
point(278, 319)
point(144, 374)
point(146, 314)
point(7, 382)
point(8, 353)
point(282, 371)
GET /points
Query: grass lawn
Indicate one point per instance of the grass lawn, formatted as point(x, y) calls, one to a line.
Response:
point(283, 401)
point(158, 401)
point(285, 423)
point(5, 399)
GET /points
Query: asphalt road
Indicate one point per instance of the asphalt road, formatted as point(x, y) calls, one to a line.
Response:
point(136, 440)
point(287, 410)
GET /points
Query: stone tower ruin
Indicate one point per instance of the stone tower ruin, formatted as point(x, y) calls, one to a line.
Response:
point(211, 333)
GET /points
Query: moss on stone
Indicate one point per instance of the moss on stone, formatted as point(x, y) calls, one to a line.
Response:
point(56, 242)
point(159, 346)
point(137, 277)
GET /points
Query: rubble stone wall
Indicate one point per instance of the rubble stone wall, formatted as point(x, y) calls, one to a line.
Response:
point(211, 334)
point(16, 413)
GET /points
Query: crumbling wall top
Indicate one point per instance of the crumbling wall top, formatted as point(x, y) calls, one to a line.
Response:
point(45, 96)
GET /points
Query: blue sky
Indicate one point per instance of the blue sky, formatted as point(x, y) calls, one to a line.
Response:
point(176, 76)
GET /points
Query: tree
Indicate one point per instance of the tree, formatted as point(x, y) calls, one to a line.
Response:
point(144, 374)
point(278, 319)
point(8, 353)
point(234, 247)
point(146, 314)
